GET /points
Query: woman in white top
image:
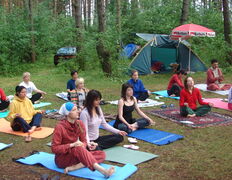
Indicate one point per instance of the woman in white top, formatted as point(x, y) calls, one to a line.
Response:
point(30, 87)
point(92, 117)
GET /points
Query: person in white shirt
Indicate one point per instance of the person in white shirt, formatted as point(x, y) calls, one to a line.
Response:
point(30, 87)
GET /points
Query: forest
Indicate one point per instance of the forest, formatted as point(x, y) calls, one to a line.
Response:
point(31, 31)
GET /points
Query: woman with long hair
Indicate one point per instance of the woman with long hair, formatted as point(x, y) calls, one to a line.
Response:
point(126, 105)
point(92, 117)
point(188, 100)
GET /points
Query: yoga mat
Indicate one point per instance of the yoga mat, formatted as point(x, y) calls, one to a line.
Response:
point(122, 155)
point(218, 103)
point(146, 103)
point(164, 94)
point(4, 114)
point(62, 95)
point(4, 146)
point(153, 136)
point(203, 87)
point(47, 160)
point(41, 104)
point(6, 128)
point(211, 119)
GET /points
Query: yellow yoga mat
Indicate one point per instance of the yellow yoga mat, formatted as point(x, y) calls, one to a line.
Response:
point(6, 128)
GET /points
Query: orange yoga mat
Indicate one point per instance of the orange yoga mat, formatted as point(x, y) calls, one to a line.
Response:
point(43, 133)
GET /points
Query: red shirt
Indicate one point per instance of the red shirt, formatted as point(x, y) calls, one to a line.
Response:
point(2, 95)
point(211, 78)
point(191, 99)
point(175, 80)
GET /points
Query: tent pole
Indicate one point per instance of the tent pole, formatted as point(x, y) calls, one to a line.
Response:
point(189, 60)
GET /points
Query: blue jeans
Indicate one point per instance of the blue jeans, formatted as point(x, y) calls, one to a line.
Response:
point(141, 124)
point(20, 124)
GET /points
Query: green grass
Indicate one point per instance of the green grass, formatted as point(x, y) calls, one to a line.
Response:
point(203, 154)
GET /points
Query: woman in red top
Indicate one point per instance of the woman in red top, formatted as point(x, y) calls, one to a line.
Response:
point(70, 146)
point(175, 84)
point(4, 102)
point(188, 100)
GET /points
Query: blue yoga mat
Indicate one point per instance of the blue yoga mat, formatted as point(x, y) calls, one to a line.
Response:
point(164, 94)
point(4, 114)
point(47, 160)
point(152, 135)
point(42, 104)
point(4, 146)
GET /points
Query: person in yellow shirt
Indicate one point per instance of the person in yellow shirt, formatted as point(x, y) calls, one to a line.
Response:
point(23, 116)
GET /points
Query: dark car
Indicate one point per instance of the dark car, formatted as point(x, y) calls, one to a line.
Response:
point(65, 53)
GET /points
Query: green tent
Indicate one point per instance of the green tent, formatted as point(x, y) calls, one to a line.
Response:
point(160, 48)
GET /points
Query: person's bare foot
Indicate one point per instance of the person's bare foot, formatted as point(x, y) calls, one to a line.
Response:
point(191, 115)
point(32, 129)
point(109, 172)
point(172, 95)
point(38, 129)
point(74, 167)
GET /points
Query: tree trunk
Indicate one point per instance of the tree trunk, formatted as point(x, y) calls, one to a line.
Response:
point(84, 12)
point(89, 13)
point(30, 8)
point(55, 7)
point(185, 12)
point(118, 17)
point(103, 54)
point(226, 15)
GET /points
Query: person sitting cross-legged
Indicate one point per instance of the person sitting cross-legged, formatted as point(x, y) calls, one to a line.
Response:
point(188, 100)
point(70, 146)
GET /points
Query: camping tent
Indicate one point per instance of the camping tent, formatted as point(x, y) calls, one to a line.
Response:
point(162, 49)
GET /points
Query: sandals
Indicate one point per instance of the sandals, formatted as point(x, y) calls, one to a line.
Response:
point(28, 139)
point(132, 140)
point(131, 146)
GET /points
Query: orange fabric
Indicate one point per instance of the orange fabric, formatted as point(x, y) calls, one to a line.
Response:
point(6, 128)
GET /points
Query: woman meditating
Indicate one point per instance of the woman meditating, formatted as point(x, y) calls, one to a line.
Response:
point(188, 100)
point(30, 86)
point(70, 147)
point(139, 90)
point(92, 117)
point(78, 95)
point(4, 102)
point(175, 84)
point(22, 114)
point(126, 105)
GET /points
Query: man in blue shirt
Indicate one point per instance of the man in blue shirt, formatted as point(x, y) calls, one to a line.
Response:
point(71, 83)
point(139, 90)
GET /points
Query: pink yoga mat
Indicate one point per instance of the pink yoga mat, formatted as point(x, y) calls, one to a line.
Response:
point(218, 103)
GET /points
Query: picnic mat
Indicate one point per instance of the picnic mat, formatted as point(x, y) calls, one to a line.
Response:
point(164, 94)
point(147, 103)
point(6, 128)
point(122, 155)
point(152, 135)
point(203, 87)
point(47, 160)
point(218, 103)
point(41, 104)
point(4, 146)
point(211, 119)
point(62, 95)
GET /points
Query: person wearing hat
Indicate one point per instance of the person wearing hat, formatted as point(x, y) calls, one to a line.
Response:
point(70, 146)
point(175, 84)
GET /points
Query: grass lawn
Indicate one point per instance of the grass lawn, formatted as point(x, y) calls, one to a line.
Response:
point(203, 154)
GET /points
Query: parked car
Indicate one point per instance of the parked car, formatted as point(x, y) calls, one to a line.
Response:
point(65, 53)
